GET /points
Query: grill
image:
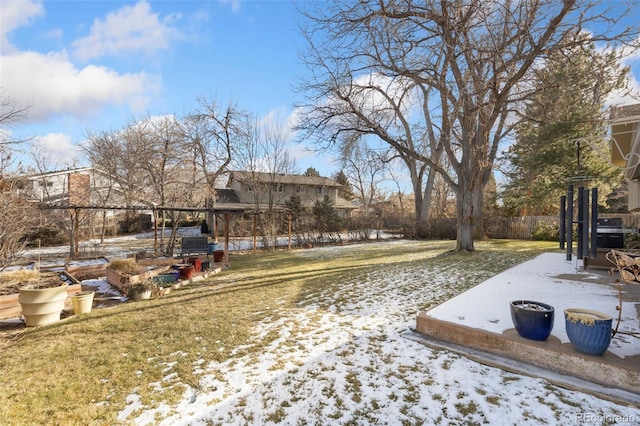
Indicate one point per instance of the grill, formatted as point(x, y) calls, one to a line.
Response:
point(609, 233)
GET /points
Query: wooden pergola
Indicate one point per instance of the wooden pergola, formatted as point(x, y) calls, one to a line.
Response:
point(225, 209)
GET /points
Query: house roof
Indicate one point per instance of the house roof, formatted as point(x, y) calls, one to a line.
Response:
point(625, 139)
point(261, 177)
point(66, 172)
point(625, 114)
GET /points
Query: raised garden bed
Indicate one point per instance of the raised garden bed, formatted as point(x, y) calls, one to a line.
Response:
point(122, 282)
point(87, 268)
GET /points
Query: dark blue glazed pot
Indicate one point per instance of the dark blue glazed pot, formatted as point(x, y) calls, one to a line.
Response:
point(532, 320)
point(588, 331)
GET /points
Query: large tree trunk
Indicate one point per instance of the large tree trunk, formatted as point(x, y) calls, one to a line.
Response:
point(478, 212)
point(478, 204)
point(421, 226)
point(422, 215)
point(464, 205)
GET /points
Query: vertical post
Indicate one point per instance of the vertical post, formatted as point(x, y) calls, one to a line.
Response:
point(580, 227)
point(155, 231)
point(76, 234)
point(594, 222)
point(211, 218)
point(226, 238)
point(289, 218)
point(563, 219)
point(569, 227)
point(72, 224)
point(255, 232)
point(585, 223)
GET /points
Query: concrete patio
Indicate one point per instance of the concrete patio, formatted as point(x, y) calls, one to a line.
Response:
point(478, 325)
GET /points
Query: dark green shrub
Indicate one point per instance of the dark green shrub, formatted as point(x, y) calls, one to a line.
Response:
point(546, 231)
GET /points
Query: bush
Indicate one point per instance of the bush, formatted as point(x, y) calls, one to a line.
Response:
point(45, 237)
point(546, 231)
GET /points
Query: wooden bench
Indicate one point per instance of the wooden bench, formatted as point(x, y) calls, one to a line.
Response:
point(194, 245)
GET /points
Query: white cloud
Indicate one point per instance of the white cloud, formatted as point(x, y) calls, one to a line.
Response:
point(129, 29)
point(16, 14)
point(51, 84)
point(235, 5)
point(58, 149)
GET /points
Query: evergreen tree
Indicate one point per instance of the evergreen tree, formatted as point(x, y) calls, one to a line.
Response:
point(546, 156)
point(311, 171)
point(327, 219)
point(346, 190)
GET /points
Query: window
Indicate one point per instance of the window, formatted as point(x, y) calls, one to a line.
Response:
point(320, 190)
point(277, 187)
point(301, 189)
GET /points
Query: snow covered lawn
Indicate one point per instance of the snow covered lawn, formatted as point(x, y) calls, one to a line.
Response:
point(339, 358)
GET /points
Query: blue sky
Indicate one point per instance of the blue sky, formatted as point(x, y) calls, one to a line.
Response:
point(89, 66)
point(97, 65)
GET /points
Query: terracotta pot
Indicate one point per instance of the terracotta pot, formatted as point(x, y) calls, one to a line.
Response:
point(186, 272)
point(196, 262)
point(218, 255)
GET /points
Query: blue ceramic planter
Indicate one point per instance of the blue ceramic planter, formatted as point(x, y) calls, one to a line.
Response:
point(532, 320)
point(165, 278)
point(589, 331)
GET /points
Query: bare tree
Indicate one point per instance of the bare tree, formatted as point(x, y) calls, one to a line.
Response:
point(169, 173)
point(148, 164)
point(365, 170)
point(10, 113)
point(101, 152)
point(118, 154)
point(264, 157)
point(66, 220)
point(18, 214)
point(459, 66)
point(211, 133)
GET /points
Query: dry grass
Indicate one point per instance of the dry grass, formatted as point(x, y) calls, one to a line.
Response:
point(126, 266)
point(11, 281)
point(19, 276)
point(81, 370)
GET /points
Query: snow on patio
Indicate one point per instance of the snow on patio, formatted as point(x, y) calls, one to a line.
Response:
point(551, 279)
point(341, 359)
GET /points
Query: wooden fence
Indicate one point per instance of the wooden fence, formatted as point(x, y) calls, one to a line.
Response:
point(523, 227)
point(519, 227)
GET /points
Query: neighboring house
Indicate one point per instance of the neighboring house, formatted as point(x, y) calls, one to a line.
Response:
point(273, 190)
point(87, 187)
point(625, 148)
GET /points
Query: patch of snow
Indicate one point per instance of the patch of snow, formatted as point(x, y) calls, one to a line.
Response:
point(346, 362)
point(548, 280)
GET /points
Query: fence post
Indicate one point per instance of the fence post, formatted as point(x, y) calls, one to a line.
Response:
point(594, 222)
point(580, 227)
point(569, 228)
point(562, 223)
point(585, 224)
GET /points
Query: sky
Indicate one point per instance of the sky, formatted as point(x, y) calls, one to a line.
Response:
point(99, 65)
point(91, 66)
